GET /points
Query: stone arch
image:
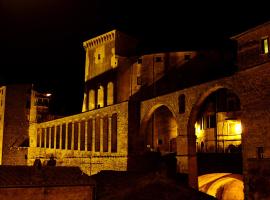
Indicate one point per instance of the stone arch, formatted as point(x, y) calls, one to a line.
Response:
point(110, 93)
point(171, 135)
point(91, 99)
point(100, 96)
point(192, 161)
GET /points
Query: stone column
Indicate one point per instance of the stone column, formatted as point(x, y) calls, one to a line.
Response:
point(60, 140)
point(79, 135)
point(109, 134)
point(66, 145)
point(40, 138)
point(86, 134)
point(93, 135)
point(50, 134)
point(72, 137)
point(45, 134)
point(54, 141)
point(101, 134)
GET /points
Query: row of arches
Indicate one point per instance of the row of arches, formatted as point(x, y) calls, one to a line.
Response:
point(100, 97)
point(217, 115)
point(214, 132)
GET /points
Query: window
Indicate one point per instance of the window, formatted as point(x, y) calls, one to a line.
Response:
point(139, 61)
point(139, 80)
point(158, 59)
point(100, 97)
point(211, 121)
point(99, 56)
point(110, 95)
point(260, 152)
point(265, 45)
point(187, 57)
point(91, 100)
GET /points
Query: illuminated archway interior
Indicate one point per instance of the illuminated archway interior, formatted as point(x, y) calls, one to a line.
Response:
point(218, 132)
point(218, 126)
point(161, 131)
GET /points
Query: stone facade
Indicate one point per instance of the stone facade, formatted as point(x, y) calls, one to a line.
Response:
point(49, 182)
point(95, 140)
point(127, 97)
point(20, 107)
point(54, 193)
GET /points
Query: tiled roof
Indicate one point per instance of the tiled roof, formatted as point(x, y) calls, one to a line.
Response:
point(20, 176)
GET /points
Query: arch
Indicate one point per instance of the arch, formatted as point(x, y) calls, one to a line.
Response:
point(100, 97)
point(196, 109)
point(91, 100)
point(149, 113)
point(159, 129)
point(110, 93)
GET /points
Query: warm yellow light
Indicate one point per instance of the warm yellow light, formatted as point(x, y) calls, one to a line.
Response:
point(48, 94)
point(197, 130)
point(265, 45)
point(238, 128)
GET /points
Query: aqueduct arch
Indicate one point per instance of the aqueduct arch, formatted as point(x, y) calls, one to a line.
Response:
point(159, 129)
point(214, 133)
point(186, 140)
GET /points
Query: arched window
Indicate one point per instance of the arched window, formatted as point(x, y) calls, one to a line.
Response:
point(84, 103)
point(101, 96)
point(91, 100)
point(110, 93)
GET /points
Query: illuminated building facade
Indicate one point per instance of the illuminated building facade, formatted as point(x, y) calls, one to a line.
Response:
point(184, 103)
point(20, 106)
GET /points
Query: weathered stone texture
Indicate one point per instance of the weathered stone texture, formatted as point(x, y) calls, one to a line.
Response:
point(90, 161)
point(53, 193)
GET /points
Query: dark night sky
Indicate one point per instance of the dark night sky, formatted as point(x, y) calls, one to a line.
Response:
point(41, 40)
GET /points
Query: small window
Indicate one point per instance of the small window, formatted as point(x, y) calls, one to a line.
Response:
point(211, 121)
point(160, 142)
point(265, 45)
point(139, 80)
point(158, 59)
point(260, 152)
point(99, 56)
point(187, 57)
point(139, 61)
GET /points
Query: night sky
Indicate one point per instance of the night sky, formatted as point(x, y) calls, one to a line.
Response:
point(41, 40)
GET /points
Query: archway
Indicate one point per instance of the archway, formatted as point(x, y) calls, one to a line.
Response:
point(161, 131)
point(215, 126)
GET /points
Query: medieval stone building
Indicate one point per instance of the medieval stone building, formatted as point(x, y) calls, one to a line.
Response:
point(189, 103)
point(20, 106)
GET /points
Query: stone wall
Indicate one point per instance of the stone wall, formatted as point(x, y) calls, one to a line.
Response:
point(252, 86)
point(93, 148)
point(53, 193)
point(16, 123)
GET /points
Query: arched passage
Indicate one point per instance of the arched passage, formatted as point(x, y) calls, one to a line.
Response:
point(215, 131)
point(160, 130)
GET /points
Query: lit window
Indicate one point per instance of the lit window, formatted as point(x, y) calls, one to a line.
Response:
point(265, 46)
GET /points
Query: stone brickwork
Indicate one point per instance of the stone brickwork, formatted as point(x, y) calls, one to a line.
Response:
point(251, 46)
point(252, 86)
point(15, 119)
point(93, 148)
point(53, 193)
